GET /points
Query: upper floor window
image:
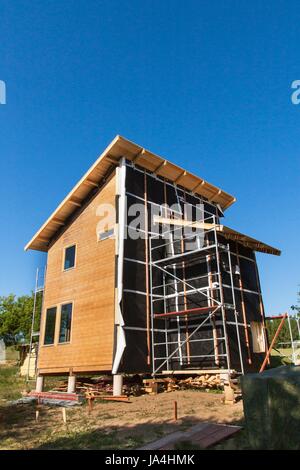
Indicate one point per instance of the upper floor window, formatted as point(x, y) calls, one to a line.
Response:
point(69, 258)
point(50, 325)
point(65, 323)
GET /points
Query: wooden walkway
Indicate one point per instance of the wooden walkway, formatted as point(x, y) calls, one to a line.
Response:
point(203, 435)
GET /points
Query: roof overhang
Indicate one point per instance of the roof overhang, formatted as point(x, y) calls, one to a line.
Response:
point(247, 241)
point(227, 232)
point(95, 176)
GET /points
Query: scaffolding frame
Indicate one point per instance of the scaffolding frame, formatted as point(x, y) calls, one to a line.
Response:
point(173, 261)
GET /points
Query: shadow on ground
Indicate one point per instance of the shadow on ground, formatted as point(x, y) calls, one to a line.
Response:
point(18, 429)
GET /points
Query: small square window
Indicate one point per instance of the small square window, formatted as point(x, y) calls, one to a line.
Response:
point(65, 323)
point(69, 260)
point(104, 235)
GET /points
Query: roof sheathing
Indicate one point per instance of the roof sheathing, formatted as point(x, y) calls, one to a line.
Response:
point(118, 148)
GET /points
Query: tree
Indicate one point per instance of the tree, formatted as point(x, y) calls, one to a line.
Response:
point(296, 307)
point(284, 335)
point(16, 316)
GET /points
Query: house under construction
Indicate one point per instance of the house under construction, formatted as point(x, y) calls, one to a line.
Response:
point(170, 291)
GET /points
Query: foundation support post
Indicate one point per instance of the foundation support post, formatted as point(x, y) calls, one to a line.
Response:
point(39, 383)
point(72, 384)
point(117, 384)
point(229, 398)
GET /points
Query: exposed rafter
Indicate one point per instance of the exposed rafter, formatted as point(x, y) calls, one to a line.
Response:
point(160, 166)
point(184, 173)
point(139, 155)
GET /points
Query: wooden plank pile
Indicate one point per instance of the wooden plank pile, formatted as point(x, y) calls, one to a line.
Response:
point(101, 387)
point(204, 381)
point(204, 435)
point(153, 386)
point(170, 384)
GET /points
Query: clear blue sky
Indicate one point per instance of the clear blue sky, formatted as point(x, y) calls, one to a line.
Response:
point(203, 83)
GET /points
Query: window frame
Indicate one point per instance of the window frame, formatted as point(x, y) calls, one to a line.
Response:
point(68, 302)
point(45, 324)
point(64, 257)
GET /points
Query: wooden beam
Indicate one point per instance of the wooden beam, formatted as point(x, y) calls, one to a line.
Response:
point(184, 173)
point(136, 157)
point(88, 182)
point(198, 310)
point(157, 219)
point(228, 204)
point(273, 342)
point(75, 203)
point(198, 371)
point(58, 221)
point(43, 239)
point(198, 185)
point(112, 160)
point(160, 166)
point(217, 193)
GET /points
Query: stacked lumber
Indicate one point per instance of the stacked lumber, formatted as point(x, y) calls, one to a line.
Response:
point(95, 387)
point(101, 386)
point(152, 386)
point(93, 395)
point(171, 384)
point(204, 381)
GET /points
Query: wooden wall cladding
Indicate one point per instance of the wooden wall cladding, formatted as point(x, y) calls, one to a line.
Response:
point(90, 286)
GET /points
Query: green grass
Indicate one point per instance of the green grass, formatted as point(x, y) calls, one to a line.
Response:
point(12, 355)
point(278, 360)
point(11, 384)
point(94, 439)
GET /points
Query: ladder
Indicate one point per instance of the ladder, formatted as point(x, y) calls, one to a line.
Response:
point(34, 333)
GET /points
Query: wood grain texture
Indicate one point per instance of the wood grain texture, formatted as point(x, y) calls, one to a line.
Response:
point(90, 286)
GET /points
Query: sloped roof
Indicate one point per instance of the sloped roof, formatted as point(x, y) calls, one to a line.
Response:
point(118, 148)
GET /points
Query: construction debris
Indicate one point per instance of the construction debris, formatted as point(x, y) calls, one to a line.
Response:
point(45, 401)
point(102, 388)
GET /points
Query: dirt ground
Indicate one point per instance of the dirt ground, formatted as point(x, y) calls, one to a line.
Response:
point(112, 425)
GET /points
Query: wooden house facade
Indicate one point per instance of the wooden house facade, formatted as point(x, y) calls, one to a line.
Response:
point(156, 288)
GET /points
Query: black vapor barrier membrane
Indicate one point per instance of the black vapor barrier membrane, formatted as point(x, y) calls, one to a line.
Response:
point(231, 278)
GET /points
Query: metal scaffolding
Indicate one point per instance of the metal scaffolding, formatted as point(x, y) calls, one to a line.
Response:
point(171, 266)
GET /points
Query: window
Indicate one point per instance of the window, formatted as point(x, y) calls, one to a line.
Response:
point(258, 339)
point(50, 325)
point(107, 234)
point(65, 323)
point(69, 261)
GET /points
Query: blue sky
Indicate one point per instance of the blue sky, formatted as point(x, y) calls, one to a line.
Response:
point(207, 84)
